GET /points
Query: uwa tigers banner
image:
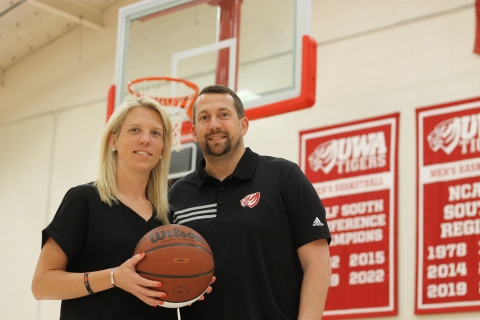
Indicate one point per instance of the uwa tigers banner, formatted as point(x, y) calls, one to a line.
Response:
point(448, 207)
point(353, 167)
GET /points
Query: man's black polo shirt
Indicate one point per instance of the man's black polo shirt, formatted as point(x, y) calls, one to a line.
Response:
point(254, 221)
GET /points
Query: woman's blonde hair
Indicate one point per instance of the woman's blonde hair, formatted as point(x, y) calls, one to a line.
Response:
point(157, 186)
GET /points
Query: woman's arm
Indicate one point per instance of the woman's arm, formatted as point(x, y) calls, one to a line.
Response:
point(52, 282)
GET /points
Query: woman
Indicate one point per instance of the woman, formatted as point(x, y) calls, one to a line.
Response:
point(86, 257)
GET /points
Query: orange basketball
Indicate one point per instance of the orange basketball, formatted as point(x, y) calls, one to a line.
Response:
point(180, 259)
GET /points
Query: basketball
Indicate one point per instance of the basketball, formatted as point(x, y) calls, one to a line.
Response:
point(180, 259)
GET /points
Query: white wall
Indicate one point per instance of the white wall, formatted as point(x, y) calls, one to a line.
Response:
point(53, 105)
point(52, 112)
point(406, 61)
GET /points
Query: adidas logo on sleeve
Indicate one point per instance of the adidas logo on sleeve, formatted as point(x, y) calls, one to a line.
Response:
point(317, 223)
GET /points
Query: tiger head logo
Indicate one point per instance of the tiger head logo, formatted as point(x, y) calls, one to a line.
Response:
point(324, 157)
point(445, 135)
point(250, 200)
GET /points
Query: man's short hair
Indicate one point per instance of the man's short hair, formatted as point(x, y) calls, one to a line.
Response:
point(219, 89)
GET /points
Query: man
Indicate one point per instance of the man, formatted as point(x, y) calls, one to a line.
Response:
point(261, 216)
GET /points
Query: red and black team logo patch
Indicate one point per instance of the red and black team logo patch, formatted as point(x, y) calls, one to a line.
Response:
point(250, 200)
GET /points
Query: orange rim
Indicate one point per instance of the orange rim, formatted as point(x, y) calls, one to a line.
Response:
point(181, 101)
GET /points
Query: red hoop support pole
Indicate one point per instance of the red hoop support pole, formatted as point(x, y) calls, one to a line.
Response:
point(111, 101)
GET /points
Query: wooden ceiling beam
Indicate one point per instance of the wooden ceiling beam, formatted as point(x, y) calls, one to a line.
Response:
point(73, 11)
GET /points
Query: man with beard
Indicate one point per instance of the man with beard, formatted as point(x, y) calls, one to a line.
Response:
point(261, 216)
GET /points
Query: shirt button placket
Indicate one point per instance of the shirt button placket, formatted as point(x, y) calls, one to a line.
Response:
point(220, 196)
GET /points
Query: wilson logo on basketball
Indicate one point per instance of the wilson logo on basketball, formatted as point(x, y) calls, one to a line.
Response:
point(251, 200)
point(458, 131)
point(350, 154)
point(158, 236)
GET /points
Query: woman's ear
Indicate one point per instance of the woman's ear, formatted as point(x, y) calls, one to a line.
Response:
point(112, 142)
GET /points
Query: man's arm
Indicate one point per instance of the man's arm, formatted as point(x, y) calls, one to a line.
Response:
point(315, 260)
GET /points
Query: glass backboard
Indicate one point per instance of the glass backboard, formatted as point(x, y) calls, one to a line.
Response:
point(259, 48)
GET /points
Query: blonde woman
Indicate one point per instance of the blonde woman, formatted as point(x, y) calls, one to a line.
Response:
point(86, 257)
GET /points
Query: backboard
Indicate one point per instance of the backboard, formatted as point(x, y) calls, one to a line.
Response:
point(259, 48)
point(184, 161)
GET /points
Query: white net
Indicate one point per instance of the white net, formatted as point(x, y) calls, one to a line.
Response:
point(177, 117)
point(177, 96)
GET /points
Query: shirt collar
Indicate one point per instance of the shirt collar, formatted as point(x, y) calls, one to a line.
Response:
point(244, 170)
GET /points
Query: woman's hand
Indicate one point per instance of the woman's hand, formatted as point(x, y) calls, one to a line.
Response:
point(209, 289)
point(127, 278)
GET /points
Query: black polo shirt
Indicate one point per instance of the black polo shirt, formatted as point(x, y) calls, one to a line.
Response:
point(95, 236)
point(254, 220)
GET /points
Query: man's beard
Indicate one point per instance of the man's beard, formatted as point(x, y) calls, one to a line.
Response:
point(209, 150)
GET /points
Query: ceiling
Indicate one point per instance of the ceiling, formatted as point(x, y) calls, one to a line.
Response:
point(28, 25)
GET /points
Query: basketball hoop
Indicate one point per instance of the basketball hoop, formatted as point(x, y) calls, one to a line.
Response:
point(177, 96)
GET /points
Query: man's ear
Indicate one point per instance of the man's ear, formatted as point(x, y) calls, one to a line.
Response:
point(245, 123)
point(194, 133)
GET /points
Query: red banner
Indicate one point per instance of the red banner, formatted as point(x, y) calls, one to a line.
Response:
point(353, 167)
point(448, 208)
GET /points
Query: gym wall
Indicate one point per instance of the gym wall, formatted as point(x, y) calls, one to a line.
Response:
point(375, 57)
